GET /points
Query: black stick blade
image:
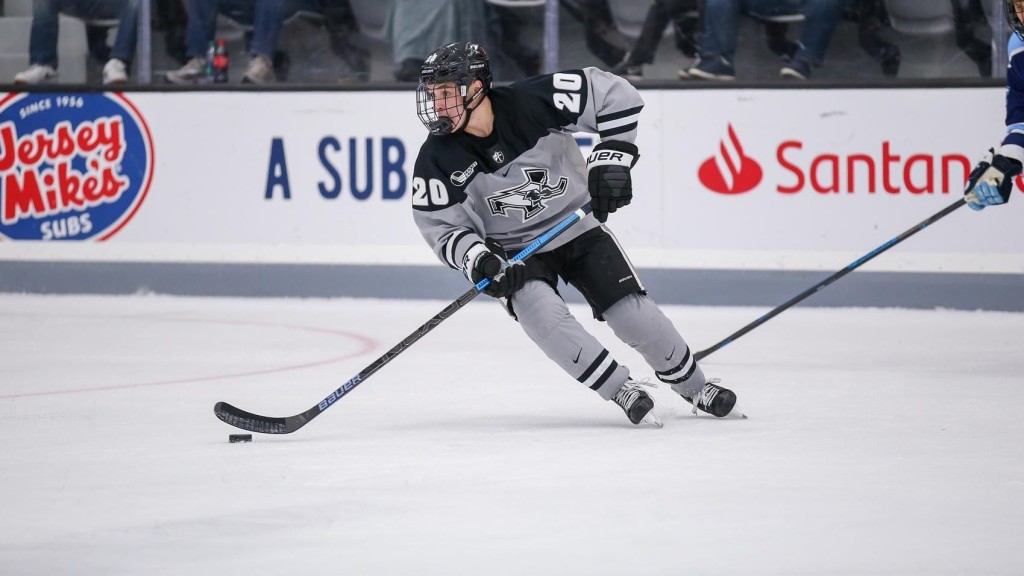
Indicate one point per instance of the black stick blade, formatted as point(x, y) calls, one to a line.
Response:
point(255, 423)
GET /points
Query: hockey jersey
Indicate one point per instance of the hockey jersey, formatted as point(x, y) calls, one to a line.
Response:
point(529, 173)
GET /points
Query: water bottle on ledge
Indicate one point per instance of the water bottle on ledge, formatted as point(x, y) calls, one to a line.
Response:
point(211, 54)
point(220, 62)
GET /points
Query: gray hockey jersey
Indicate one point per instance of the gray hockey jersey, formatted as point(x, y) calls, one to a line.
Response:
point(528, 174)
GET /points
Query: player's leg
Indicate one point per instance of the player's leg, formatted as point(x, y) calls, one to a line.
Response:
point(639, 322)
point(546, 319)
point(600, 269)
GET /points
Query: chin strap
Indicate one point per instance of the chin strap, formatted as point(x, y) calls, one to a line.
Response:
point(465, 105)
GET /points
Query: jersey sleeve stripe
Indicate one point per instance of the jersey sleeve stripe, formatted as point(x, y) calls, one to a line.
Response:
point(1015, 128)
point(619, 130)
point(609, 125)
point(451, 248)
point(620, 114)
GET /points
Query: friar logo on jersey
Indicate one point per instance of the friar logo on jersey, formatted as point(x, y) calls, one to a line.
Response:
point(530, 196)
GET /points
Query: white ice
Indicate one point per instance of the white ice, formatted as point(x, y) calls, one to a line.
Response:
point(879, 442)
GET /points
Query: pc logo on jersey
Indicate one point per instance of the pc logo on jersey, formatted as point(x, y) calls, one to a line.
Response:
point(72, 166)
point(730, 171)
point(528, 196)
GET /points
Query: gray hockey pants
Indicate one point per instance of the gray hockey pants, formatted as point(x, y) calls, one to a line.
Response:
point(635, 319)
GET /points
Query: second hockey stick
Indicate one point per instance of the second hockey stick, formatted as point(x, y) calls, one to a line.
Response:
point(821, 285)
point(273, 425)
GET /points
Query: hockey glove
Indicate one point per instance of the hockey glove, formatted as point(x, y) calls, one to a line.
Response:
point(991, 181)
point(608, 178)
point(490, 262)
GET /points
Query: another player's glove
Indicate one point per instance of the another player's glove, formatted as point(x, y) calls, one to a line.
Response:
point(991, 181)
point(608, 178)
point(489, 261)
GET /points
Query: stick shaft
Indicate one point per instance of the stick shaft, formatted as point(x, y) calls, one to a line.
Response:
point(827, 281)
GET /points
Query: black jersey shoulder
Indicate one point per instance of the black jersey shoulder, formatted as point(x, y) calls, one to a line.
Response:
point(444, 167)
point(550, 100)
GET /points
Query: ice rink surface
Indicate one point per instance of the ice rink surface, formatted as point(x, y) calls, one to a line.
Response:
point(879, 442)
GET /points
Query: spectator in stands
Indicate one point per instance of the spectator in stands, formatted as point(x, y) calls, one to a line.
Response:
point(869, 16)
point(505, 26)
point(964, 14)
point(721, 23)
point(341, 26)
point(171, 18)
point(684, 16)
point(603, 39)
point(416, 27)
point(46, 30)
point(115, 71)
point(266, 16)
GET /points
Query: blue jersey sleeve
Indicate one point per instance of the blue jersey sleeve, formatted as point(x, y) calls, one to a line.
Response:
point(1013, 143)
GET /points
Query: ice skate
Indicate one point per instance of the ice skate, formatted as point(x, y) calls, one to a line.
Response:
point(637, 404)
point(716, 400)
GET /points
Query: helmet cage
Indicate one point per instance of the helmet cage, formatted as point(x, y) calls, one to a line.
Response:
point(1010, 9)
point(440, 119)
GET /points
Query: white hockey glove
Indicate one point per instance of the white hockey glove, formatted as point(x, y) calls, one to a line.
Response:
point(991, 181)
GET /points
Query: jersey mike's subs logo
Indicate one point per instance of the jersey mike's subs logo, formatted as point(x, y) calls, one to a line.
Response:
point(72, 166)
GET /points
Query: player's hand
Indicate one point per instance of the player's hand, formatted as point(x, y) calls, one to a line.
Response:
point(991, 181)
point(506, 278)
point(608, 177)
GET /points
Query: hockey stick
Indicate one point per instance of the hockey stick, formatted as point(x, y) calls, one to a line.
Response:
point(270, 425)
point(821, 285)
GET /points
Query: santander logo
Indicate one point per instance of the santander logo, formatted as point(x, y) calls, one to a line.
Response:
point(802, 168)
point(730, 171)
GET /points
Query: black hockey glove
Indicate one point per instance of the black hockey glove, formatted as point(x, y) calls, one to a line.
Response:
point(608, 178)
point(489, 263)
point(991, 181)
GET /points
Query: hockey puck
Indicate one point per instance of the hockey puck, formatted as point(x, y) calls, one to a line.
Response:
point(235, 438)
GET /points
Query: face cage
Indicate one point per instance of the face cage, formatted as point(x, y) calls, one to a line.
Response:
point(437, 124)
point(1010, 7)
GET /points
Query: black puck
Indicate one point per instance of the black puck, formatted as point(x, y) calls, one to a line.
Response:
point(235, 438)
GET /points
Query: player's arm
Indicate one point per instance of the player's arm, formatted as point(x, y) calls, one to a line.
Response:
point(450, 231)
point(592, 100)
point(991, 181)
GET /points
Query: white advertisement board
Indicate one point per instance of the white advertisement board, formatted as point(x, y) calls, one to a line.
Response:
point(728, 179)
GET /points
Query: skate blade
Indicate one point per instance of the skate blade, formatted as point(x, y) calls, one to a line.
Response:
point(736, 413)
point(651, 419)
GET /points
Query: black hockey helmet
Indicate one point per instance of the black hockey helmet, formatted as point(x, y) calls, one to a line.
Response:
point(1010, 9)
point(460, 63)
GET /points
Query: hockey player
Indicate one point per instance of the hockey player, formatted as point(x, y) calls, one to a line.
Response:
point(499, 168)
point(992, 179)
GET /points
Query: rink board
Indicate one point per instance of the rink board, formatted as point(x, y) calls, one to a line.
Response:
point(741, 195)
